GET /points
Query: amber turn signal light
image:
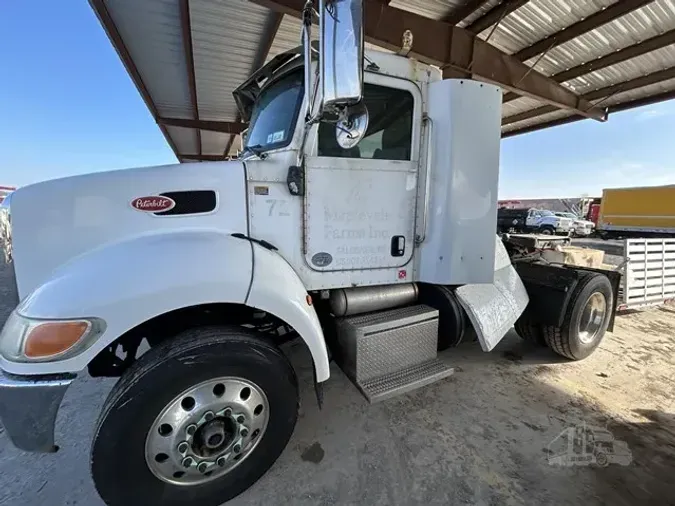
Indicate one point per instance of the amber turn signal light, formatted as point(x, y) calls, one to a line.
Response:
point(53, 338)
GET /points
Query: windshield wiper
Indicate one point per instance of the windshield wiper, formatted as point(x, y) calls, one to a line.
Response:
point(256, 149)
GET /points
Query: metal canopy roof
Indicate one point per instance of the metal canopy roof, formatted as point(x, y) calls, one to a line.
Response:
point(558, 60)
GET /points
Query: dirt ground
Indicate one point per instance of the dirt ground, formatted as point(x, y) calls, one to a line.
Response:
point(483, 437)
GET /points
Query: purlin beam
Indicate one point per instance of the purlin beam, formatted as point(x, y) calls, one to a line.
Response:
point(625, 106)
point(495, 15)
point(462, 51)
point(461, 13)
point(204, 158)
point(186, 31)
point(586, 25)
point(632, 84)
point(228, 127)
point(113, 34)
point(270, 32)
point(627, 53)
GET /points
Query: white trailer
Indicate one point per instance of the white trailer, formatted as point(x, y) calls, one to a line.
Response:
point(360, 218)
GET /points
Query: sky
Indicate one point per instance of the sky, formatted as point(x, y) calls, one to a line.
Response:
point(69, 107)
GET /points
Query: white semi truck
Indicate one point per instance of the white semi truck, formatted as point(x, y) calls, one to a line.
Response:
point(360, 218)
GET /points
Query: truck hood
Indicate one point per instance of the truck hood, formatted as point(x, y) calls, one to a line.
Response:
point(54, 222)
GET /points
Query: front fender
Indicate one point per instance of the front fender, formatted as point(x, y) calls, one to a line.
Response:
point(130, 282)
point(277, 289)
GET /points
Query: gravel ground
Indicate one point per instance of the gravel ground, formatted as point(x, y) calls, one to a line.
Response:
point(482, 437)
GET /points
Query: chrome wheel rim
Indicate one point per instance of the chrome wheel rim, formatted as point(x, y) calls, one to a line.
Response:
point(206, 431)
point(592, 318)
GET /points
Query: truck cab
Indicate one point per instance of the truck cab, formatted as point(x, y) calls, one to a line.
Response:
point(358, 219)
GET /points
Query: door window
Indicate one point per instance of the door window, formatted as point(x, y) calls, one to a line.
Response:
point(389, 134)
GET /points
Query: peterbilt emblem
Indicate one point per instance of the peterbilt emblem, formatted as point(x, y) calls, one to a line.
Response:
point(153, 204)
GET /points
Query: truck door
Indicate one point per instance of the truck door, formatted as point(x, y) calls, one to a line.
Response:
point(360, 203)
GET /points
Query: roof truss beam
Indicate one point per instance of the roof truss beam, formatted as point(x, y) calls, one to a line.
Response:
point(495, 15)
point(622, 55)
point(607, 15)
point(186, 31)
point(113, 34)
point(602, 93)
point(228, 127)
point(450, 47)
point(633, 104)
point(203, 158)
point(463, 12)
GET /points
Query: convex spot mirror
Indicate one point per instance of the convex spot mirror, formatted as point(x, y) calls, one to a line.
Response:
point(351, 125)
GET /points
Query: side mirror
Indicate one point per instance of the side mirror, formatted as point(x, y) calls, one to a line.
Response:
point(351, 126)
point(341, 53)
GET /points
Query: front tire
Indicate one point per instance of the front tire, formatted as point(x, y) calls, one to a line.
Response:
point(163, 437)
point(586, 319)
point(547, 230)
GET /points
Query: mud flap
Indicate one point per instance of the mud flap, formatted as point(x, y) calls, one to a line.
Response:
point(494, 308)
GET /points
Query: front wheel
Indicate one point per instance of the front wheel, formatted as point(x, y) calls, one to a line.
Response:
point(196, 420)
point(547, 230)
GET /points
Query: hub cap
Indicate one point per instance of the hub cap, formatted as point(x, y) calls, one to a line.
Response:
point(592, 318)
point(206, 431)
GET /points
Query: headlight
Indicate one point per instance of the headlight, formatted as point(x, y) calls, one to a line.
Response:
point(28, 340)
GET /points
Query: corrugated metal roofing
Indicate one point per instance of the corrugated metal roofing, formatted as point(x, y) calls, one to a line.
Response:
point(228, 35)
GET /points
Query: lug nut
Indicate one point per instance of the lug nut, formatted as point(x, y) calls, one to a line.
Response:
point(241, 419)
point(187, 462)
point(237, 448)
point(244, 432)
point(227, 412)
point(191, 429)
point(183, 447)
point(202, 467)
point(221, 461)
point(208, 416)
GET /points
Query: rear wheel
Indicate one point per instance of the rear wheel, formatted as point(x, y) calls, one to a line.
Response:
point(529, 330)
point(586, 319)
point(196, 420)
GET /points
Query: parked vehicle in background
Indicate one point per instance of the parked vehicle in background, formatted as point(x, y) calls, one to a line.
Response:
point(5, 238)
point(580, 227)
point(5, 191)
point(637, 212)
point(594, 211)
point(532, 221)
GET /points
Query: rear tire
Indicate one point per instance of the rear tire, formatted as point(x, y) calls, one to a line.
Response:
point(583, 326)
point(529, 330)
point(119, 456)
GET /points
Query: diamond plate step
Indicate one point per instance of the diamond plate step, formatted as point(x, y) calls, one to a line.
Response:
point(405, 380)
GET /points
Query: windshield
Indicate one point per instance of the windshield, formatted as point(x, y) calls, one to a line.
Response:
point(275, 113)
